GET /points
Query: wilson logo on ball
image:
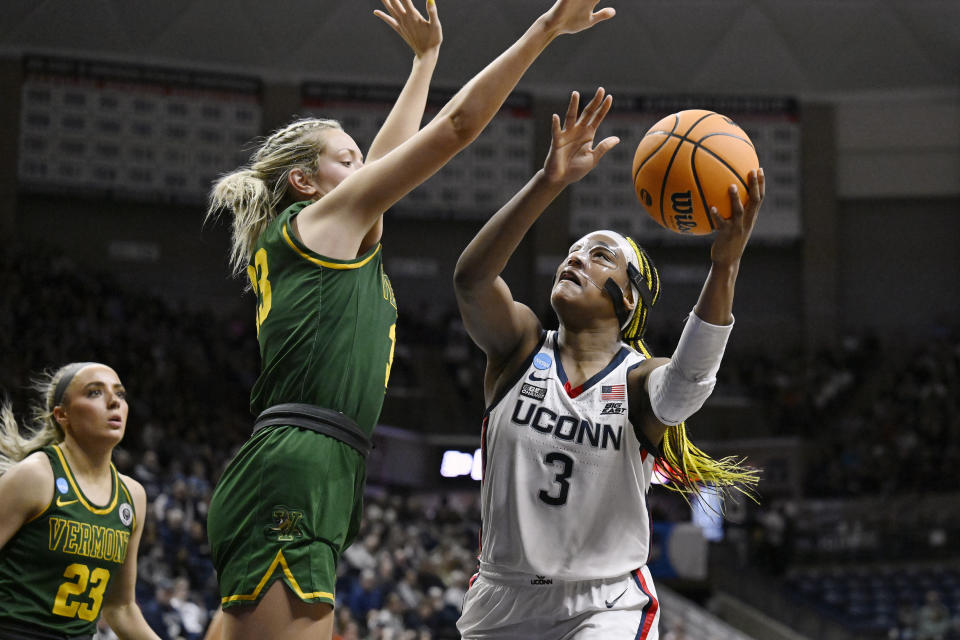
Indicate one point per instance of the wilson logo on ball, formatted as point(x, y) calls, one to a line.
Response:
point(682, 204)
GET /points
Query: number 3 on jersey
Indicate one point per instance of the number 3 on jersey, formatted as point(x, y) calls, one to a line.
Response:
point(259, 272)
point(566, 469)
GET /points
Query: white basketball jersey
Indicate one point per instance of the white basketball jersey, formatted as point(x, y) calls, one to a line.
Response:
point(565, 477)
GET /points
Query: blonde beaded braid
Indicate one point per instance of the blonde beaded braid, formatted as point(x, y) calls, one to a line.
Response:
point(687, 466)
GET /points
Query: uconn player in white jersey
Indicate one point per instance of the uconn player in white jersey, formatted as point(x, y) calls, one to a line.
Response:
point(577, 418)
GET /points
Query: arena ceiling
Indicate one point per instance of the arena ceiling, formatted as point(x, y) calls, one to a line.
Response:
point(796, 47)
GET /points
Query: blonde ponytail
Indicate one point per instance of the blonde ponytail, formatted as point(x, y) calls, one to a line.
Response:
point(253, 205)
point(44, 429)
point(255, 192)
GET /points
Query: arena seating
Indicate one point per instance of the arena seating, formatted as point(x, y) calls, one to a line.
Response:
point(885, 443)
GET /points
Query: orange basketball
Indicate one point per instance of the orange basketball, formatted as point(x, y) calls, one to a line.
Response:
point(684, 165)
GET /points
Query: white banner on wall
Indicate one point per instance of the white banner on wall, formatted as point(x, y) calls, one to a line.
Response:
point(148, 133)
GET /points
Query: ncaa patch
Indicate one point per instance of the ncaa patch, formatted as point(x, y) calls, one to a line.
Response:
point(62, 485)
point(533, 391)
point(126, 514)
point(542, 361)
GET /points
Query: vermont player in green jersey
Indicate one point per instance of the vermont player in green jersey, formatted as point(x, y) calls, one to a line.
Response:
point(71, 524)
point(307, 226)
point(353, 326)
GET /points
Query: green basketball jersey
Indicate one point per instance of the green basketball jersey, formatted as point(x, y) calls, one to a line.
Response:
point(326, 327)
point(55, 570)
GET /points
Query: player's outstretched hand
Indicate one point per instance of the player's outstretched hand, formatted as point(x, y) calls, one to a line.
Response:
point(734, 232)
point(571, 16)
point(421, 34)
point(572, 154)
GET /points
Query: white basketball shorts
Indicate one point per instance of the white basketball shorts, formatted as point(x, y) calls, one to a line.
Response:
point(539, 608)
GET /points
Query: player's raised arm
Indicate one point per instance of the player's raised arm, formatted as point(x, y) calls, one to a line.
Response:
point(716, 298)
point(336, 224)
point(680, 385)
point(499, 325)
point(424, 36)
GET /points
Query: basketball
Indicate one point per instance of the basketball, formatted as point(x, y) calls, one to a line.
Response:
point(684, 165)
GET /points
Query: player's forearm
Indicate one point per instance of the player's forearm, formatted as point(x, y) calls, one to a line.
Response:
point(715, 304)
point(488, 253)
point(407, 113)
point(479, 100)
point(128, 623)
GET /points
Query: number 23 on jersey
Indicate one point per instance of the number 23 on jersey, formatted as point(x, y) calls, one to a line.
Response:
point(69, 602)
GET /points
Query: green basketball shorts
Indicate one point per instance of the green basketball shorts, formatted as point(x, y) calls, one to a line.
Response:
point(286, 508)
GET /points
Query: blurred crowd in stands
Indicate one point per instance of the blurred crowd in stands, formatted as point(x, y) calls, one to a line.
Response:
point(876, 420)
point(879, 418)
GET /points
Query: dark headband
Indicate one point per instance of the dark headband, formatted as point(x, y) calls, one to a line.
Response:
point(69, 371)
point(616, 293)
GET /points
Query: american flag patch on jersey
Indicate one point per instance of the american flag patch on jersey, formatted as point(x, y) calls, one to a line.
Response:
point(612, 392)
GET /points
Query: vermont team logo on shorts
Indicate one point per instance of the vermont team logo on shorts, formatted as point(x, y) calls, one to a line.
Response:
point(285, 525)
